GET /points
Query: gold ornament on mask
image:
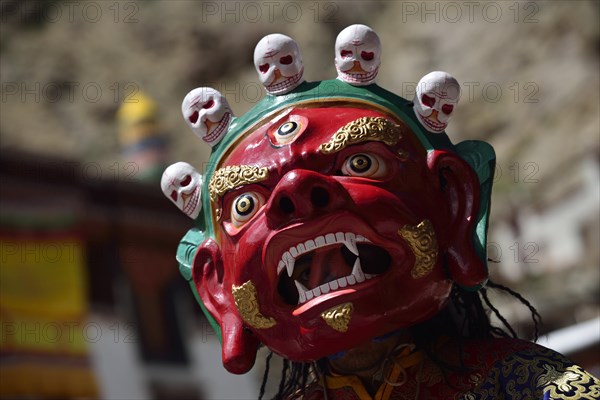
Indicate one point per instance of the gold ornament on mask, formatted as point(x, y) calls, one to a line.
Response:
point(246, 301)
point(362, 130)
point(423, 243)
point(339, 317)
point(234, 176)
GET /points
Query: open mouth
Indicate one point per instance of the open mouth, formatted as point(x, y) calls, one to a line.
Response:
point(328, 263)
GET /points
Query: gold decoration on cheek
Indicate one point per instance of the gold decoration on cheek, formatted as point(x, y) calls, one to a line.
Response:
point(246, 301)
point(339, 317)
point(233, 176)
point(362, 130)
point(423, 243)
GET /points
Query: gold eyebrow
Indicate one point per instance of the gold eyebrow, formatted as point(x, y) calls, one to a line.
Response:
point(362, 130)
point(234, 176)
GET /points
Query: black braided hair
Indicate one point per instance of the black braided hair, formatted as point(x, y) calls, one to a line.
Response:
point(535, 315)
point(487, 301)
point(265, 376)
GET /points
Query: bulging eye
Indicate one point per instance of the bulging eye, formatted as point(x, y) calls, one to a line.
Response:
point(286, 132)
point(286, 128)
point(245, 206)
point(365, 166)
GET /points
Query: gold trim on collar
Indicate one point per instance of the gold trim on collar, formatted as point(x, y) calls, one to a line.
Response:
point(361, 130)
point(234, 176)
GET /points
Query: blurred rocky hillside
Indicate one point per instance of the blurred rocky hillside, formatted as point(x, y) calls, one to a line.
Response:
point(529, 72)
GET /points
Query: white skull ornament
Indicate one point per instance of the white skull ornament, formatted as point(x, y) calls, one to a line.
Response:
point(279, 64)
point(436, 97)
point(181, 183)
point(357, 55)
point(207, 113)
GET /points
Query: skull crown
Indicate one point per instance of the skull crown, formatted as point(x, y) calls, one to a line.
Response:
point(280, 69)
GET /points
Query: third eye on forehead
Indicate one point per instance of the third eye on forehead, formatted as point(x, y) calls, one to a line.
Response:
point(287, 128)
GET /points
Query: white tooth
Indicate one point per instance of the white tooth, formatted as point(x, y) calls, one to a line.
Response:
point(309, 295)
point(301, 292)
point(330, 238)
point(293, 252)
point(333, 285)
point(301, 288)
point(360, 238)
point(310, 245)
point(369, 276)
point(351, 245)
point(320, 241)
point(351, 280)
point(342, 282)
point(324, 288)
point(280, 267)
point(339, 237)
point(289, 263)
point(350, 237)
point(357, 271)
point(301, 249)
point(317, 291)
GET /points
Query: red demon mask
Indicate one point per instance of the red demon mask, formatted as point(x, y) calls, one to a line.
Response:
point(332, 212)
point(333, 226)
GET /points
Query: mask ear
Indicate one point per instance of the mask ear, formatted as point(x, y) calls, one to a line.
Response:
point(460, 188)
point(239, 345)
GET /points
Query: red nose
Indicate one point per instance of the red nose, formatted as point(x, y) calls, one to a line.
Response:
point(302, 195)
